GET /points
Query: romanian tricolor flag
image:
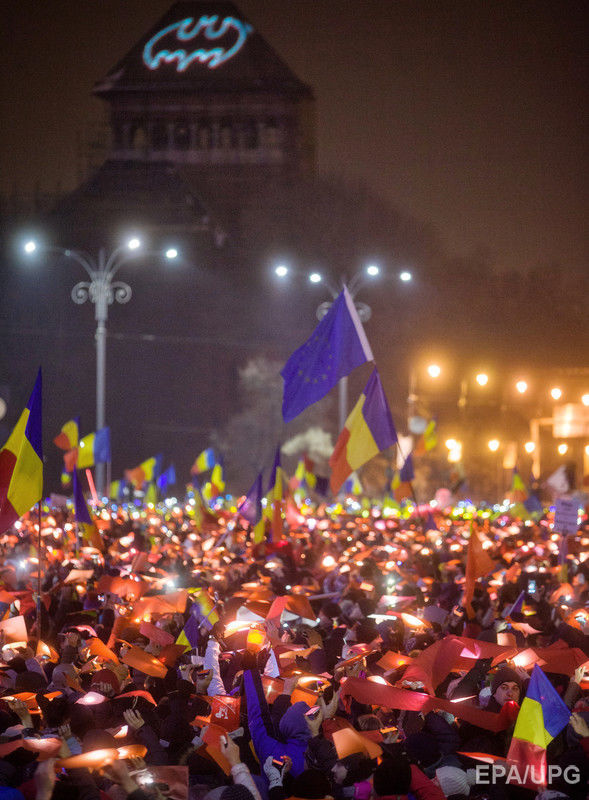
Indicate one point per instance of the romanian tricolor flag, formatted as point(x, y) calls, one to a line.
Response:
point(69, 435)
point(84, 521)
point(92, 449)
point(204, 609)
point(203, 462)
point(116, 490)
point(305, 473)
point(368, 431)
point(353, 486)
point(428, 439)
point(216, 486)
point(146, 472)
point(21, 463)
point(542, 716)
point(189, 635)
point(518, 492)
point(275, 498)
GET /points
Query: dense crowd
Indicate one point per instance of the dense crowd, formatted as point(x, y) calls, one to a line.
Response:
point(180, 659)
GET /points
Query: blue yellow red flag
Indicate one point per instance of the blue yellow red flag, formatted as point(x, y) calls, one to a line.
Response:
point(542, 716)
point(69, 435)
point(204, 461)
point(368, 430)
point(21, 462)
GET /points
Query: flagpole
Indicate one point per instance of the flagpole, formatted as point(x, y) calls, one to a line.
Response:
point(39, 562)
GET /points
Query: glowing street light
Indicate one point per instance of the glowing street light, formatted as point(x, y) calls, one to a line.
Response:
point(482, 379)
point(405, 276)
point(102, 291)
point(434, 370)
point(493, 445)
point(373, 270)
point(315, 277)
point(529, 447)
point(556, 393)
point(522, 387)
point(563, 449)
point(281, 271)
point(585, 399)
point(450, 443)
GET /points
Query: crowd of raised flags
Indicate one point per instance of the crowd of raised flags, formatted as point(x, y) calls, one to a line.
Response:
point(360, 623)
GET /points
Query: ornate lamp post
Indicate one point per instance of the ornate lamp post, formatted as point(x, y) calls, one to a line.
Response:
point(102, 290)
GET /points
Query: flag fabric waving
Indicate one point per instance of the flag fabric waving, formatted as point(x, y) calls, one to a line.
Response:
point(204, 461)
point(542, 716)
point(146, 472)
point(518, 492)
point(368, 431)
point(92, 449)
point(251, 507)
point(21, 462)
point(337, 346)
point(216, 486)
point(275, 497)
point(167, 478)
point(69, 435)
point(478, 564)
point(84, 521)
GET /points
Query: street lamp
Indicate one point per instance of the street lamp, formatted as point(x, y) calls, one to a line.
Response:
point(434, 371)
point(522, 387)
point(482, 379)
point(357, 281)
point(102, 290)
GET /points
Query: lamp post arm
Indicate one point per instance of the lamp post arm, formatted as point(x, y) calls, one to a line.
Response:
point(116, 260)
point(85, 261)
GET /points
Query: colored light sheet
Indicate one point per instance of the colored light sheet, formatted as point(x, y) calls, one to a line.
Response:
point(209, 29)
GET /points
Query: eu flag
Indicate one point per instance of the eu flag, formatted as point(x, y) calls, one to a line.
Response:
point(337, 346)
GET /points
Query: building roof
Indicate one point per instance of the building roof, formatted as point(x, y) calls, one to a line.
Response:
point(153, 193)
point(205, 47)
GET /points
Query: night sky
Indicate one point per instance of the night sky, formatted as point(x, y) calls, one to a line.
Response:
point(472, 116)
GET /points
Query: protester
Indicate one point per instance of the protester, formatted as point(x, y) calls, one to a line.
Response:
point(358, 657)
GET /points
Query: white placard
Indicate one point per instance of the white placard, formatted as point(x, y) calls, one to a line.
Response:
point(566, 516)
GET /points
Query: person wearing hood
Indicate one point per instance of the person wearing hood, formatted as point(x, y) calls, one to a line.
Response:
point(293, 727)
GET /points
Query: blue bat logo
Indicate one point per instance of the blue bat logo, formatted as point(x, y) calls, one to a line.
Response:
point(187, 30)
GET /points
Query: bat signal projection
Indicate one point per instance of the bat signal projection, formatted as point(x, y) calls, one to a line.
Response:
point(207, 30)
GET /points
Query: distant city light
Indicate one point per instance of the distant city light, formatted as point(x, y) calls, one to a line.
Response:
point(521, 386)
point(556, 393)
point(281, 271)
point(315, 277)
point(372, 270)
point(450, 443)
point(529, 447)
point(171, 253)
point(493, 445)
point(134, 243)
point(585, 399)
point(405, 276)
point(482, 379)
point(434, 370)
point(563, 449)
point(30, 247)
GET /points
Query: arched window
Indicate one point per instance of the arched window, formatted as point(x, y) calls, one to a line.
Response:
point(181, 135)
point(227, 135)
point(138, 136)
point(250, 135)
point(204, 136)
point(159, 136)
point(271, 132)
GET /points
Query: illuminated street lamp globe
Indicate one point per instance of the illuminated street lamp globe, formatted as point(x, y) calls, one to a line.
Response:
point(521, 386)
point(493, 445)
point(482, 379)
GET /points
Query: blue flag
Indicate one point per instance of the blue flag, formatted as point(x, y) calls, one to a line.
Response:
point(337, 346)
point(167, 478)
point(407, 472)
point(251, 508)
